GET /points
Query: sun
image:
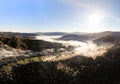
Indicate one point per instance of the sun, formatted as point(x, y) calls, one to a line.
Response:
point(95, 22)
point(95, 18)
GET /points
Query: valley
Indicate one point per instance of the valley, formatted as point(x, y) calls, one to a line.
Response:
point(53, 60)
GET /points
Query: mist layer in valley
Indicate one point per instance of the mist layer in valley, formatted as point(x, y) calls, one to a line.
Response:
point(84, 44)
point(87, 48)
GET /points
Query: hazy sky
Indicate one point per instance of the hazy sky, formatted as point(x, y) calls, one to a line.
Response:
point(59, 15)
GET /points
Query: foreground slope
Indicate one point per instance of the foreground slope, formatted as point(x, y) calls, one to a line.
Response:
point(78, 69)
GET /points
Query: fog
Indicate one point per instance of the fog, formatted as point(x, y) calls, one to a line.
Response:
point(88, 49)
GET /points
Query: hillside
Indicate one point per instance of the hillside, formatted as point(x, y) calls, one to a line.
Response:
point(112, 38)
point(107, 39)
point(88, 36)
point(18, 42)
point(102, 70)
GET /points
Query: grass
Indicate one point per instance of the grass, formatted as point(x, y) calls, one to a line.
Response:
point(29, 60)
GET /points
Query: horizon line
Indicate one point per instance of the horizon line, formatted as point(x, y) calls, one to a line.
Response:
point(62, 31)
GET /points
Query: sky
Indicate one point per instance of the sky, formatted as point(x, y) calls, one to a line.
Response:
point(59, 15)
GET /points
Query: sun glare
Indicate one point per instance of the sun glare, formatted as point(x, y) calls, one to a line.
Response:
point(95, 19)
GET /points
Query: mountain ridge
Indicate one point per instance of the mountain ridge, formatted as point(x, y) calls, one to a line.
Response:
point(89, 36)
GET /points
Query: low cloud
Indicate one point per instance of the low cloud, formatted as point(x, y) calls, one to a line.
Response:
point(88, 49)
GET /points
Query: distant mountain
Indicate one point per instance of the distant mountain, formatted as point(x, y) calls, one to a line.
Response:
point(17, 34)
point(52, 33)
point(75, 37)
point(108, 38)
point(89, 36)
point(79, 33)
point(112, 38)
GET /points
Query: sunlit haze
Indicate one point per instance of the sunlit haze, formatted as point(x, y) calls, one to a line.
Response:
point(95, 19)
